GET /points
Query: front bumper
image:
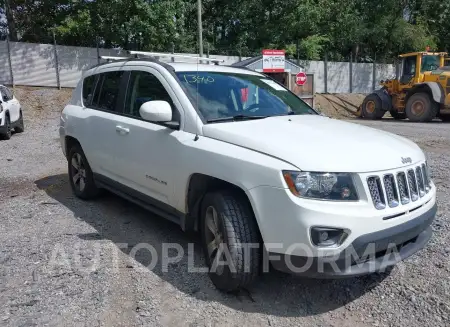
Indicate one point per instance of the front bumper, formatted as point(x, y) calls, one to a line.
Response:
point(368, 253)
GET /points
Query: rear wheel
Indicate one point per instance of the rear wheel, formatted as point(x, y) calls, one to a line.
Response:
point(81, 177)
point(397, 115)
point(229, 237)
point(420, 108)
point(372, 107)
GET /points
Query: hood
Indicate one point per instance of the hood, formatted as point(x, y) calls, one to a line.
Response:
point(317, 143)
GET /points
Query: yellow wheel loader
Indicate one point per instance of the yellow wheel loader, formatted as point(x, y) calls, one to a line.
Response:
point(420, 94)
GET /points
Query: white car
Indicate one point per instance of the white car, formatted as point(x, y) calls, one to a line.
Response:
point(10, 114)
point(232, 154)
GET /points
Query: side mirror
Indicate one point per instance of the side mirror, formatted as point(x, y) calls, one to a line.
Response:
point(156, 111)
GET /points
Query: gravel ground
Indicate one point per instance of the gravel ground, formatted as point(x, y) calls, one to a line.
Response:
point(64, 262)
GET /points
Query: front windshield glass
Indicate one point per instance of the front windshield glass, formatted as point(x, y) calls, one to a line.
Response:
point(222, 95)
point(429, 63)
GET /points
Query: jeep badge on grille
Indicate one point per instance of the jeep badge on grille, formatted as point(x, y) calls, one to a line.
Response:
point(406, 160)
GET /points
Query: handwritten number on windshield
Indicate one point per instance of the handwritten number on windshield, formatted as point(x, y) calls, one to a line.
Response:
point(196, 79)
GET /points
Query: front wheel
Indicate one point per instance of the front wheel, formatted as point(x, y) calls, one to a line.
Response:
point(372, 107)
point(230, 239)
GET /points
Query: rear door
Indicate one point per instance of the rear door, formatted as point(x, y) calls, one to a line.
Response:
point(104, 108)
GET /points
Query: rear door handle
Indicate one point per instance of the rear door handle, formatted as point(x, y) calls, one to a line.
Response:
point(122, 130)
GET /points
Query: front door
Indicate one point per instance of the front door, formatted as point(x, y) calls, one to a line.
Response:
point(148, 153)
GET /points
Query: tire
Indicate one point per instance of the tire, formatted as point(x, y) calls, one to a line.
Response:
point(7, 134)
point(372, 107)
point(397, 115)
point(81, 178)
point(231, 218)
point(20, 127)
point(420, 108)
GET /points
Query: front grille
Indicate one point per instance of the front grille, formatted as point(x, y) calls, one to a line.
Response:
point(412, 183)
point(403, 188)
point(420, 181)
point(400, 188)
point(426, 178)
point(376, 192)
point(391, 190)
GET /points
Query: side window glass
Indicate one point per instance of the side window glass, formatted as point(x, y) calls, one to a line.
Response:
point(88, 89)
point(145, 87)
point(107, 92)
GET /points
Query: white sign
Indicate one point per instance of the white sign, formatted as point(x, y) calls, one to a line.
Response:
point(273, 61)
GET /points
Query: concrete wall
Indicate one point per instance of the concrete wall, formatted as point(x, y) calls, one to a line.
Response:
point(35, 65)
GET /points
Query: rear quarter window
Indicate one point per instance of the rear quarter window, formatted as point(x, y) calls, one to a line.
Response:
point(88, 89)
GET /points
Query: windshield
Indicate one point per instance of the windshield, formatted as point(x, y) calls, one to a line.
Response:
point(222, 95)
point(429, 63)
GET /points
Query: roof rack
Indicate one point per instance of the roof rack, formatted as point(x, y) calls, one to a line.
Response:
point(110, 58)
point(172, 55)
point(157, 55)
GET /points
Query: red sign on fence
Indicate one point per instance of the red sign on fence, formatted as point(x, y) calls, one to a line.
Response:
point(300, 78)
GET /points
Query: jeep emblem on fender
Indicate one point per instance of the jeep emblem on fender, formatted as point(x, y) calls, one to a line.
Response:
point(406, 160)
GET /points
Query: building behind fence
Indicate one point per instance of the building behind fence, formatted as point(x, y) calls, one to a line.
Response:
point(31, 64)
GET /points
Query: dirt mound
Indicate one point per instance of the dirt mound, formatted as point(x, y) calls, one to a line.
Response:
point(340, 106)
point(41, 100)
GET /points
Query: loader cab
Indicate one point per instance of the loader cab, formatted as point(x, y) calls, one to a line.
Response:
point(415, 64)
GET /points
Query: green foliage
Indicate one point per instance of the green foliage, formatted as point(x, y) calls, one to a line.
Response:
point(369, 30)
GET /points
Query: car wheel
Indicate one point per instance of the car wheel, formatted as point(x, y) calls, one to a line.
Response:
point(230, 235)
point(81, 177)
point(420, 108)
point(372, 107)
point(7, 134)
point(20, 127)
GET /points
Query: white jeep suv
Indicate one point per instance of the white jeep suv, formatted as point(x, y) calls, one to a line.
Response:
point(232, 154)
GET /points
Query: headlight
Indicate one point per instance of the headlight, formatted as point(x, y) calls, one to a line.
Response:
point(325, 186)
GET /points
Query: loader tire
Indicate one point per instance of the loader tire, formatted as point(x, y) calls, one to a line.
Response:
point(420, 108)
point(372, 107)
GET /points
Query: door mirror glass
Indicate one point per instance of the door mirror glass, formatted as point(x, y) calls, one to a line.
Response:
point(156, 111)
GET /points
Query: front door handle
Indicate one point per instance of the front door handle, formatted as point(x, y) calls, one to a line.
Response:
point(122, 130)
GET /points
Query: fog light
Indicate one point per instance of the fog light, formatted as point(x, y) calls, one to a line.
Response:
point(326, 237)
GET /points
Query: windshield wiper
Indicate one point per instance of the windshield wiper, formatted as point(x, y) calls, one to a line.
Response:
point(235, 118)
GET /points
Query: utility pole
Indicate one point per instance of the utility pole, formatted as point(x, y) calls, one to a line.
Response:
point(199, 18)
